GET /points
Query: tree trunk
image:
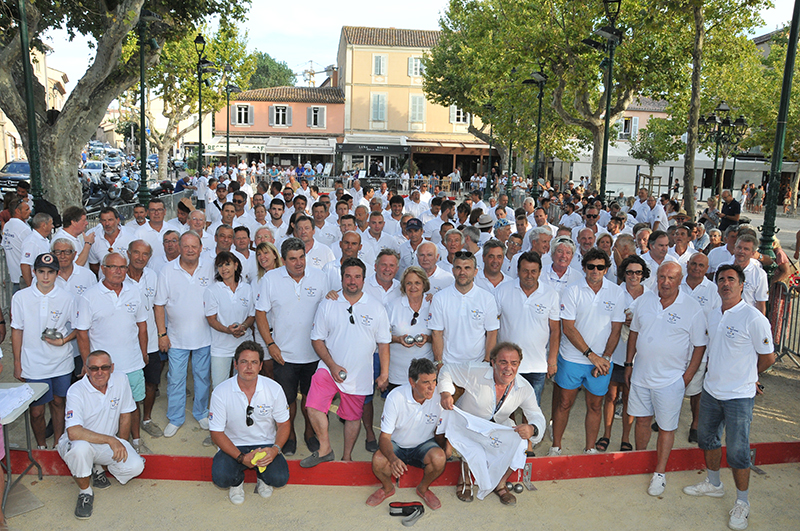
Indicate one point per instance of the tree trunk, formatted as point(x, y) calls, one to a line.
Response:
point(163, 161)
point(694, 110)
point(598, 134)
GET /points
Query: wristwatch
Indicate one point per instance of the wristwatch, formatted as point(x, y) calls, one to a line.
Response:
point(628, 364)
point(607, 358)
point(240, 458)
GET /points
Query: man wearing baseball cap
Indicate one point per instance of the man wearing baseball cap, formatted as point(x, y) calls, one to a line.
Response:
point(40, 341)
point(408, 249)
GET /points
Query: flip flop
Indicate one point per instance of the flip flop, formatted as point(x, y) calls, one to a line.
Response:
point(602, 444)
point(430, 499)
point(625, 447)
point(411, 519)
point(403, 508)
point(377, 497)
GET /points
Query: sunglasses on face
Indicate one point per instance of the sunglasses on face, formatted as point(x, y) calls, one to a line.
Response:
point(632, 272)
point(463, 254)
point(592, 267)
point(591, 216)
point(97, 368)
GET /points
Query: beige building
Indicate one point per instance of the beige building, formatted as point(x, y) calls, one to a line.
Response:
point(387, 118)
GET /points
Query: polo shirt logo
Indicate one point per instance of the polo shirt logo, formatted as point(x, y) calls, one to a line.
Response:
point(149, 292)
point(311, 291)
point(731, 332)
point(263, 409)
point(477, 314)
point(131, 307)
point(702, 300)
point(203, 281)
point(69, 414)
point(80, 289)
point(430, 418)
point(245, 301)
point(210, 416)
point(114, 403)
point(366, 320)
point(540, 308)
point(673, 318)
point(609, 305)
point(495, 442)
point(55, 315)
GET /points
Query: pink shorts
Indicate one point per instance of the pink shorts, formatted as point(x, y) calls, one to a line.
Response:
point(323, 390)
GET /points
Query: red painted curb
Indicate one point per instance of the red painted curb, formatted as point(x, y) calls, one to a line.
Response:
point(359, 473)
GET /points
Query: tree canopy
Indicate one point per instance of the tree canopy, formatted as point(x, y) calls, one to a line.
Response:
point(271, 73)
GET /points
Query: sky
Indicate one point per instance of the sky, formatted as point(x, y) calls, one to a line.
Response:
point(308, 30)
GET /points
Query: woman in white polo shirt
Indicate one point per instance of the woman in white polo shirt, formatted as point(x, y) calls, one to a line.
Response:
point(267, 258)
point(408, 318)
point(230, 311)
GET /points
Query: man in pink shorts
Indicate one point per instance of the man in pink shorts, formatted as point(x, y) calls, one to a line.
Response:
point(345, 335)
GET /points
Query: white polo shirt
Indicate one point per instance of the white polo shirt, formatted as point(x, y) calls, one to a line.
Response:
point(406, 420)
point(480, 397)
point(482, 282)
point(525, 320)
point(593, 314)
point(351, 345)
point(77, 243)
point(229, 307)
point(620, 354)
point(34, 245)
point(551, 278)
point(667, 337)
point(101, 247)
point(376, 291)
point(292, 306)
point(147, 287)
point(228, 412)
point(279, 232)
point(319, 255)
point(329, 234)
point(706, 294)
point(181, 294)
point(97, 411)
point(408, 257)
point(384, 242)
point(15, 232)
point(440, 279)
point(756, 283)
point(400, 317)
point(155, 238)
point(111, 321)
point(651, 282)
point(174, 224)
point(32, 311)
point(717, 257)
point(464, 319)
point(735, 339)
point(249, 265)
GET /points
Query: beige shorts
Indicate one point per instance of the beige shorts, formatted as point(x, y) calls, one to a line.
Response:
point(695, 387)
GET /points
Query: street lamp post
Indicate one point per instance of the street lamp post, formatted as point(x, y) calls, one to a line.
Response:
point(540, 79)
point(27, 72)
point(487, 192)
point(722, 132)
point(144, 18)
point(204, 66)
point(228, 89)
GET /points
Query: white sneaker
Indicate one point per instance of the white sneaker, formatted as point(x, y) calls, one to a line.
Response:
point(171, 430)
point(739, 514)
point(236, 494)
point(554, 451)
point(263, 490)
point(203, 423)
point(705, 488)
point(141, 448)
point(657, 484)
point(591, 451)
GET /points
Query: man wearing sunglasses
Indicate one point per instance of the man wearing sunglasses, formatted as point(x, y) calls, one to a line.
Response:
point(98, 422)
point(249, 422)
point(590, 216)
point(592, 313)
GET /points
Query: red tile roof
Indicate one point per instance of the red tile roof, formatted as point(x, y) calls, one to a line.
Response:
point(361, 36)
point(293, 94)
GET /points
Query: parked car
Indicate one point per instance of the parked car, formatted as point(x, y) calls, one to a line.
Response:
point(113, 160)
point(152, 159)
point(12, 173)
point(92, 170)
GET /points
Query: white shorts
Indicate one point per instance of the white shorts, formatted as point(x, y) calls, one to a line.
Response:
point(81, 456)
point(695, 387)
point(664, 403)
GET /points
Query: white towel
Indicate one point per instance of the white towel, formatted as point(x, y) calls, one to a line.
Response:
point(11, 399)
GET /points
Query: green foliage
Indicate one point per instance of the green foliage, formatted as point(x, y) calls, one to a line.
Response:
point(271, 73)
point(658, 143)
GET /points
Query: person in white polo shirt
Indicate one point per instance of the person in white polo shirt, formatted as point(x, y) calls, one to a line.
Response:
point(39, 315)
point(249, 422)
point(756, 291)
point(491, 276)
point(110, 238)
point(345, 334)
point(696, 285)
point(658, 253)
point(153, 231)
point(558, 274)
point(463, 318)
point(529, 317)
point(739, 348)
point(15, 232)
point(230, 311)
point(74, 230)
point(667, 341)
point(112, 317)
point(98, 422)
point(408, 423)
point(179, 304)
point(286, 302)
point(428, 259)
point(592, 313)
point(317, 254)
point(37, 242)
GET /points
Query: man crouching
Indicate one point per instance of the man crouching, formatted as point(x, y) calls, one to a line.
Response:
point(98, 424)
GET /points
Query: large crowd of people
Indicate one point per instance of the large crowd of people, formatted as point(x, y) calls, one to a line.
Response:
point(452, 311)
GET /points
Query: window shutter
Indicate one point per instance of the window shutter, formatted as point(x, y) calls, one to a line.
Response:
point(310, 117)
point(321, 117)
point(634, 127)
point(383, 65)
point(251, 114)
point(288, 116)
point(375, 107)
point(410, 67)
point(376, 66)
point(272, 116)
point(453, 110)
point(234, 117)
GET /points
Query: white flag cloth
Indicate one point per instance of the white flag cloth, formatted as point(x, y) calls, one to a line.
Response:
point(489, 448)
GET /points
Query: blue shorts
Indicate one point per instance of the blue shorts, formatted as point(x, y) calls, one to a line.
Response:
point(571, 375)
point(415, 456)
point(376, 371)
point(56, 386)
point(136, 380)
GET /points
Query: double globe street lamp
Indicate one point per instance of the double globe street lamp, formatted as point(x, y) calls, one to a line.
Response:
point(718, 128)
point(204, 66)
point(229, 89)
point(538, 78)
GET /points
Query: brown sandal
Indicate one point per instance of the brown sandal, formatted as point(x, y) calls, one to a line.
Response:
point(464, 491)
point(506, 498)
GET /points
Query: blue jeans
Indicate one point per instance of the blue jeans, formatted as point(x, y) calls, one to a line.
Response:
point(536, 379)
point(734, 416)
point(176, 383)
point(227, 473)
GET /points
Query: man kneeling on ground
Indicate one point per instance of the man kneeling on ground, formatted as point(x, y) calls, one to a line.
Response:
point(98, 423)
point(249, 422)
point(410, 416)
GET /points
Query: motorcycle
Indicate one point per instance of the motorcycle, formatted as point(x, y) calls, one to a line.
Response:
point(162, 188)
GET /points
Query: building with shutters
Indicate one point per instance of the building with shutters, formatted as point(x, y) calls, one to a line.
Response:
point(387, 118)
point(282, 125)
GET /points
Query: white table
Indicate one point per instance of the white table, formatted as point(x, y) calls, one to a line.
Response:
point(39, 389)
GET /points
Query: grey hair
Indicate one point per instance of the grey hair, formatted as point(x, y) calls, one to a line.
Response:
point(223, 226)
point(455, 231)
point(104, 261)
point(40, 219)
point(533, 234)
point(472, 233)
point(61, 240)
point(562, 240)
point(149, 247)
